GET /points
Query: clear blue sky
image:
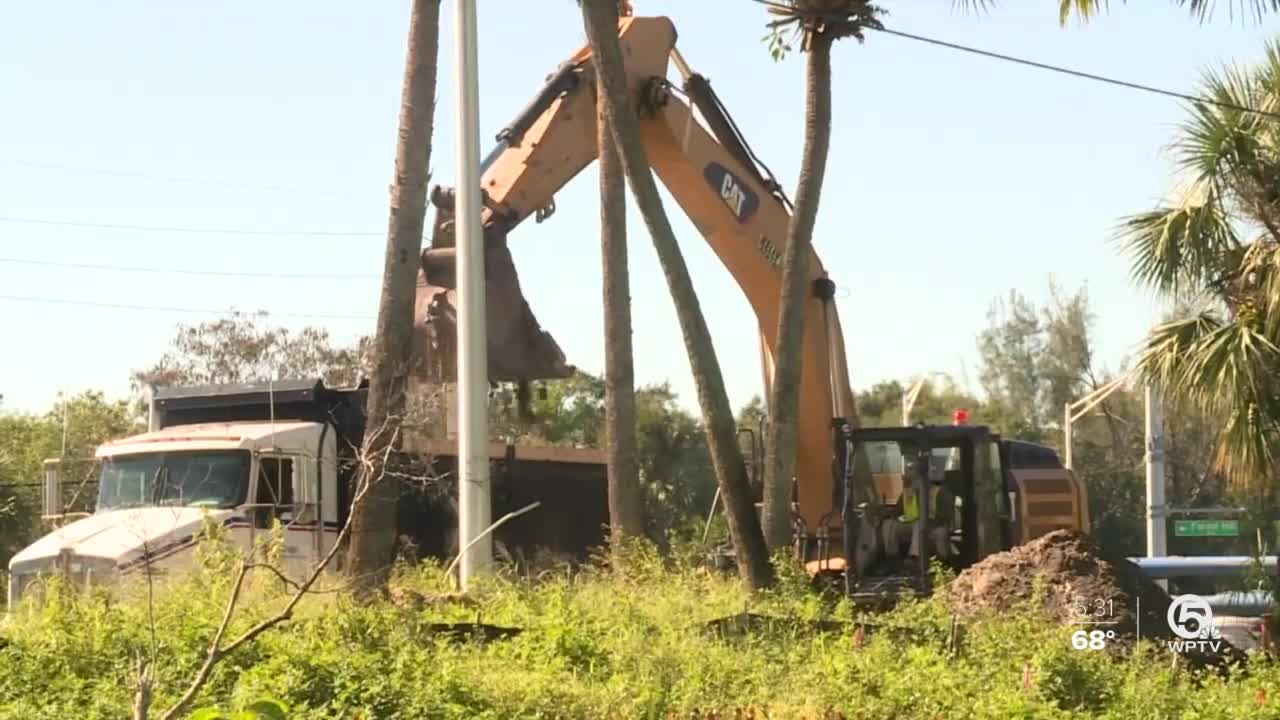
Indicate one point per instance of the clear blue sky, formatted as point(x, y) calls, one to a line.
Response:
point(952, 178)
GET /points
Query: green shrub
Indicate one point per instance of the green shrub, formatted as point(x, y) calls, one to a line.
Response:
point(624, 639)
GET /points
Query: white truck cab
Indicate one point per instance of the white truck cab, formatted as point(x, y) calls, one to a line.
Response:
point(157, 489)
point(246, 456)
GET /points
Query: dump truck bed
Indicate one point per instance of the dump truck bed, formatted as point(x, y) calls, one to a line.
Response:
point(571, 485)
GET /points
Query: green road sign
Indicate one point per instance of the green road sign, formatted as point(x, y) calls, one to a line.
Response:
point(1206, 528)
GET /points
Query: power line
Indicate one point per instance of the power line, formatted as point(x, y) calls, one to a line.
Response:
point(175, 229)
point(177, 179)
point(157, 308)
point(1080, 74)
point(181, 271)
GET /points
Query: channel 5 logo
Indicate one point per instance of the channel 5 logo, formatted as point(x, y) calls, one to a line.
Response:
point(1191, 620)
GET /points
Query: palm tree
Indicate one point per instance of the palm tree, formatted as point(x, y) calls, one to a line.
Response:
point(818, 23)
point(601, 19)
point(626, 518)
point(1215, 250)
point(373, 520)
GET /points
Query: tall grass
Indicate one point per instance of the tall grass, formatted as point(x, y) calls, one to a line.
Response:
point(621, 641)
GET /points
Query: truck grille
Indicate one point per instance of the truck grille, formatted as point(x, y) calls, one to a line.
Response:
point(78, 572)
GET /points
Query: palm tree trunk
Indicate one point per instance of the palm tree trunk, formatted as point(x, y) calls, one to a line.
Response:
point(601, 19)
point(626, 517)
point(780, 459)
point(373, 529)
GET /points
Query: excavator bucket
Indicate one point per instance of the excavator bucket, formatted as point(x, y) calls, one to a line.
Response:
point(519, 349)
point(569, 484)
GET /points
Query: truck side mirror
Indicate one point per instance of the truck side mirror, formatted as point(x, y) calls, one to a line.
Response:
point(51, 495)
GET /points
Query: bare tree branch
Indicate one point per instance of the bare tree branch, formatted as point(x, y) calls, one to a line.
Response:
point(142, 697)
point(274, 571)
point(491, 528)
point(144, 677)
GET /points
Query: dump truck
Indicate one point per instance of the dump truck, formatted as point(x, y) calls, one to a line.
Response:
point(250, 457)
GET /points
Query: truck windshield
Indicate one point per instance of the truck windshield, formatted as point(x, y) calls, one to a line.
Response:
point(218, 478)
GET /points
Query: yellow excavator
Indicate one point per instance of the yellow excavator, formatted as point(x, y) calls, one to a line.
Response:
point(860, 524)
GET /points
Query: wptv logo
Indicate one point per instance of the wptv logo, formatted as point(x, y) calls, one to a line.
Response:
point(1191, 619)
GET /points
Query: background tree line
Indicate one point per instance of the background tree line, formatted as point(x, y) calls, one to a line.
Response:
point(1032, 359)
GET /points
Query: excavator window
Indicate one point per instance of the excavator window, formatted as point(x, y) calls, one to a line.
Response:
point(961, 463)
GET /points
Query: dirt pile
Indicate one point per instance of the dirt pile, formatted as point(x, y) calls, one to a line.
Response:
point(1081, 582)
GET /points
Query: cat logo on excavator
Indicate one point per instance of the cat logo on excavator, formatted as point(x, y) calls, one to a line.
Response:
point(741, 200)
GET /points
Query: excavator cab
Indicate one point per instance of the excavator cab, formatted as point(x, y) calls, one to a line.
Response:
point(926, 493)
point(947, 493)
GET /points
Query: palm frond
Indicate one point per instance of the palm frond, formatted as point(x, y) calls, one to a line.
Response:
point(978, 6)
point(1165, 349)
point(1084, 9)
point(1246, 452)
point(1219, 137)
point(1200, 9)
point(1268, 77)
point(1173, 246)
point(1255, 9)
point(1233, 362)
point(1259, 282)
point(807, 19)
point(1226, 368)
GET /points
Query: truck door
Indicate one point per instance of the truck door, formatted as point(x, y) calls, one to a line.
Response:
point(285, 492)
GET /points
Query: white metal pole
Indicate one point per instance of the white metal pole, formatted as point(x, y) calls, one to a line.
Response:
point(909, 400)
point(66, 421)
point(1066, 436)
point(473, 366)
point(1156, 513)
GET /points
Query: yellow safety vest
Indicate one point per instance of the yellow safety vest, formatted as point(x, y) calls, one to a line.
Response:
point(911, 503)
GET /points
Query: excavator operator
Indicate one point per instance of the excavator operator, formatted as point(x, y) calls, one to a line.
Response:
point(941, 510)
point(943, 475)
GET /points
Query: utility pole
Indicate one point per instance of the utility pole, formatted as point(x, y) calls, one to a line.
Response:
point(1156, 512)
point(473, 364)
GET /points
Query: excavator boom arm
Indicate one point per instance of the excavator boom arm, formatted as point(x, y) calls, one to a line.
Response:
point(738, 209)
